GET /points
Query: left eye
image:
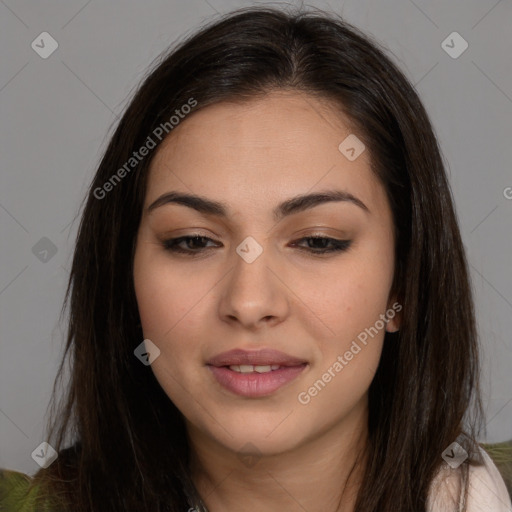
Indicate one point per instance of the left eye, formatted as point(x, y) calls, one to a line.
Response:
point(173, 244)
point(335, 244)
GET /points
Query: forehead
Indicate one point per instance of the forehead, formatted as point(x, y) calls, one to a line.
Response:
point(260, 151)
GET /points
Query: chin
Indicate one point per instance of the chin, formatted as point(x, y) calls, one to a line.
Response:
point(259, 444)
point(270, 433)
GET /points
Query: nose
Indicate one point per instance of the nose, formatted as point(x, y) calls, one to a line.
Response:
point(254, 294)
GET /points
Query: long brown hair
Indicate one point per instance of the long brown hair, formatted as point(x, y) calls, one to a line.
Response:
point(122, 443)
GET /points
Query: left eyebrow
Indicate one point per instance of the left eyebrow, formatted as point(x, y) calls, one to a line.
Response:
point(289, 207)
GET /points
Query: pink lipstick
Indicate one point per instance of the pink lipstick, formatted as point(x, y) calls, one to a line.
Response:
point(256, 373)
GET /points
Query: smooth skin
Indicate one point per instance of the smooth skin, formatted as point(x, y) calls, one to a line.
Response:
point(252, 156)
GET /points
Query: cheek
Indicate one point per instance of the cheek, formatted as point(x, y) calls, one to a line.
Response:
point(166, 300)
point(166, 297)
point(172, 306)
point(351, 297)
point(349, 357)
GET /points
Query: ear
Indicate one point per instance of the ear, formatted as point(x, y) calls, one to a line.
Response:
point(394, 316)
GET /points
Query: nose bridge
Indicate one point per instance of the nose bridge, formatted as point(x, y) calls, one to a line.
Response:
point(253, 291)
point(251, 273)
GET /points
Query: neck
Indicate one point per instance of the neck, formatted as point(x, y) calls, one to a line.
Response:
point(322, 474)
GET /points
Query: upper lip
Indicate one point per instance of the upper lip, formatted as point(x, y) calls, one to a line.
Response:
point(260, 357)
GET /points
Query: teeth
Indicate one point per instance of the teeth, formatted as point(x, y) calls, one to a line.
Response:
point(249, 368)
point(262, 369)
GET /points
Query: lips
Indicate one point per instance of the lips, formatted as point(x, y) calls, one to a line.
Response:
point(263, 357)
point(255, 373)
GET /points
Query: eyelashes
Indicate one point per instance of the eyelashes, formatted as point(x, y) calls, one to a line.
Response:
point(328, 245)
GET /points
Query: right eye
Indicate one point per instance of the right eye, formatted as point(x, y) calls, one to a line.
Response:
point(176, 244)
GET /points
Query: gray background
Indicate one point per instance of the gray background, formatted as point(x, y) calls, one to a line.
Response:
point(56, 114)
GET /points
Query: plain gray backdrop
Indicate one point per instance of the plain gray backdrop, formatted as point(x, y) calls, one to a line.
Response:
point(57, 112)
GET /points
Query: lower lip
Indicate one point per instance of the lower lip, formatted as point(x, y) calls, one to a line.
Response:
point(255, 384)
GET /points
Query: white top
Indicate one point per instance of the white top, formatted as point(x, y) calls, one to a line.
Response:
point(487, 491)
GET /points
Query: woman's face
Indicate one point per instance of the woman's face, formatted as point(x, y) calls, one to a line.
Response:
point(255, 282)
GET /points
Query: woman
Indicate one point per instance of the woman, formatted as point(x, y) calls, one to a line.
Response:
point(269, 298)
